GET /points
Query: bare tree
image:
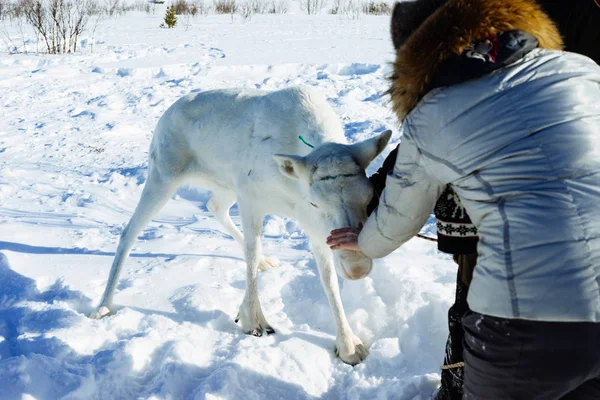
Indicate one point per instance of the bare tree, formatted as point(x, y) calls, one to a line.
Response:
point(278, 7)
point(3, 9)
point(246, 10)
point(58, 23)
point(99, 16)
point(113, 7)
point(312, 6)
point(200, 8)
point(11, 47)
point(377, 8)
point(182, 7)
point(225, 6)
point(259, 6)
point(351, 8)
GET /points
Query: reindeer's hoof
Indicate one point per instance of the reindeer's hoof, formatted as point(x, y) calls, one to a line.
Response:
point(252, 320)
point(267, 263)
point(258, 332)
point(353, 358)
point(101, 312)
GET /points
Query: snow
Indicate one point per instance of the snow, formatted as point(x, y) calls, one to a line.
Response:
point(74, 134)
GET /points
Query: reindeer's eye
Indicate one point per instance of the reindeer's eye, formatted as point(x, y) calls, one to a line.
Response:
point(313, 204)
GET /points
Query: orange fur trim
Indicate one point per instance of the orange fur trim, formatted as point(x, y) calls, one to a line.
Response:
point(450, 30)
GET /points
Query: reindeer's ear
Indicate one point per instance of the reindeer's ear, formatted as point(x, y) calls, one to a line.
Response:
point(291, 166)
point(364, 152)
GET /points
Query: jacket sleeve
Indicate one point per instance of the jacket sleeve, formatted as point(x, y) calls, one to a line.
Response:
point(405, 205)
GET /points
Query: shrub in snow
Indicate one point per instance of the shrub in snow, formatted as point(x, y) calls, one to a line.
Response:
point(113, 7)
point(170, 17)
point(278, 7)
point(312, 6)
point(198, 7)
point(259, 6)
point(181, 7)
point(346, 7)
point(225, 6)
point(250, 7)
point(374, 8)
point(11, 10)
point(246, 10)
point(184, 7)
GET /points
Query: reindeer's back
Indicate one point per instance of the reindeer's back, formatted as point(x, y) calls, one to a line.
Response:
point(228, 133)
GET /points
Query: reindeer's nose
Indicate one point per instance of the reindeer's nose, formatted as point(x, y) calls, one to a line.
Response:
point(356, 272)
point(353, 265)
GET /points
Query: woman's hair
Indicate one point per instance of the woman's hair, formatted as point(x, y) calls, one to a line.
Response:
point(409, 15)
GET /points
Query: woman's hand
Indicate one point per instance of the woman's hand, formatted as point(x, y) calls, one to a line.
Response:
point(344, 238)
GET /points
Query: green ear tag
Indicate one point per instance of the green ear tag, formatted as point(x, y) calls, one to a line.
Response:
point(306, 143)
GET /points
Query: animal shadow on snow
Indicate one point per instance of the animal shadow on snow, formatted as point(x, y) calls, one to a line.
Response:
point(186, 312)
point(29, 249)
point(166, 377)
point(49, 368)
point(15, 289)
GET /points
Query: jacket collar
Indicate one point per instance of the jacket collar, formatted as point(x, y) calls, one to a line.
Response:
point(450, 30)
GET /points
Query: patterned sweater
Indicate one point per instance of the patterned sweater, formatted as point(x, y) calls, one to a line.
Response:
point(456, 232)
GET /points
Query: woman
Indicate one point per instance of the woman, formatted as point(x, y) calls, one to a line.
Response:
point(514, 130)
point(577, 22)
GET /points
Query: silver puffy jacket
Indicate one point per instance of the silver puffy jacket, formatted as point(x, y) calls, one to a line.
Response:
point(521, 148)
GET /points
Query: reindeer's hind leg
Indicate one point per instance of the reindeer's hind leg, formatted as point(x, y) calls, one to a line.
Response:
point(154, 196)
point(219, 204)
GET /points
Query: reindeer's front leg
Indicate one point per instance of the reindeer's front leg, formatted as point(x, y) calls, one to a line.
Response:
point(251, 316)
point(348, 346)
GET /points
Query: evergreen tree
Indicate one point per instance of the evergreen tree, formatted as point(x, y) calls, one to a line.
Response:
point(170, 17)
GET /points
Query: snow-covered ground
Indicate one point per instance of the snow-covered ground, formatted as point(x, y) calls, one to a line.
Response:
point(74, 134)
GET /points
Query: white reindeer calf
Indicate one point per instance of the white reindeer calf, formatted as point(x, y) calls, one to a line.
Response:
point(225, 141)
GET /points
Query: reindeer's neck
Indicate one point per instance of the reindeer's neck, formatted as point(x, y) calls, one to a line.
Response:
point(288, 199)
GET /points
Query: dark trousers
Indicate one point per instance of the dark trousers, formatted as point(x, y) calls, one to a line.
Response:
point(452, 378)
point(511, 359)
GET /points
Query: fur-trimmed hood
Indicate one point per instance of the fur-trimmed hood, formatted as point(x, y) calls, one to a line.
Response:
point(448, 31)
